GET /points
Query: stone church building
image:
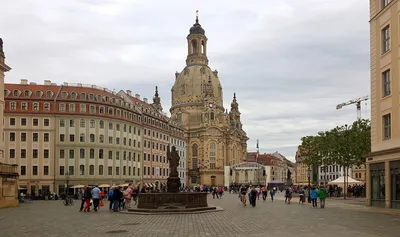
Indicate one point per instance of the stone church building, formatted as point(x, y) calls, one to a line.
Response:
point(215, 135)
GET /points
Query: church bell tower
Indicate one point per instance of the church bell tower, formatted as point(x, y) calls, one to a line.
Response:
point(197, 44)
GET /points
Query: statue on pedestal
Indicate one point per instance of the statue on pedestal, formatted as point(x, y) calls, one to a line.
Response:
point(174, 182)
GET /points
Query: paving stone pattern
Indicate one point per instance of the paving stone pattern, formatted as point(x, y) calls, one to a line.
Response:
point(51, 218)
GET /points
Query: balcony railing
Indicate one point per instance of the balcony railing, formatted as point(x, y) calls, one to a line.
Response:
point(8, 170)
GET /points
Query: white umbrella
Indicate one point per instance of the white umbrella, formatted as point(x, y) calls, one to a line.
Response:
point(124, 185)
point(104, 186)
point(341, 180)
point(78, 186)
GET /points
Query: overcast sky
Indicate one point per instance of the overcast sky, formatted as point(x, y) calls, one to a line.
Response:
point(290, 62)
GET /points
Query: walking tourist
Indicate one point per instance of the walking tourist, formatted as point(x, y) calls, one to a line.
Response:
point(322, 196)
point(116, 197)
point(314, 196)
point(87, 196)
point(253, 196)
point(110, 198)
point(96, 198)
point(301, 195)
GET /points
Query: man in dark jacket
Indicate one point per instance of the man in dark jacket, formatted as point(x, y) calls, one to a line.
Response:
point(117, 196)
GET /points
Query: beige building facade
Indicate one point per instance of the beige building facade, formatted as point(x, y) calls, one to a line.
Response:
point(71, 134)
point(8, 172)
point(76, 134)
point(215, 137)
point(301, 170)
point(383, 164)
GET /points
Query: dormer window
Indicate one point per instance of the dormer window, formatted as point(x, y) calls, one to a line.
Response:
point(83, 96)
point(49, 94)
point(98, 97)
point(64, 95)
point(38, 94)
point(16, 93)
point(73, 95)
point(27, 93)
point(91, 97)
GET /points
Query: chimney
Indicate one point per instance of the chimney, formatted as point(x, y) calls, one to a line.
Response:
point(47, 82)
point(145, 100)
point(129, 92)
point(137, 96)
point(24, 82)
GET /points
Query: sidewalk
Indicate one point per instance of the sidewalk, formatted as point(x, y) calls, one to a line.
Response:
point(350, 204)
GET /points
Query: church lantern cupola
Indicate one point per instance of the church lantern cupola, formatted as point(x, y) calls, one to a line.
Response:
point(197, 44)
point(157, 100)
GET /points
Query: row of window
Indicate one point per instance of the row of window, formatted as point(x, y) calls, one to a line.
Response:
point(35, 137)
point(83, 107)
point(358, 175)
point(92, 124)
point(100, 154)
point(35, 122)
point(130, 156)
point(329, 177)
point(156, 172)
point(92, 139)
point(62, 107)
point(132, 171)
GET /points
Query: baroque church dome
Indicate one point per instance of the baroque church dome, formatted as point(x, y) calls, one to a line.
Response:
point(197, 80)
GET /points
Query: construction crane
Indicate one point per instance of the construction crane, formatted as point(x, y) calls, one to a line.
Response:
point(357, 102)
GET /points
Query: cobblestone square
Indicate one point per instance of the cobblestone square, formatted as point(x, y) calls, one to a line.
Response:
point(51, 218)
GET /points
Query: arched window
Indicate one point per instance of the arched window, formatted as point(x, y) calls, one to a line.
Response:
point(101, 169)
point(81, 170)
point(73, 95)
point(101, 124)
point(92, 137)
point(16, 93)
point(38, 93)
point(212, 115)
point(83, 96)
point(35, 106)
point(91, 153)
point(13, 106)
point(82, 123)
point(203, 47)
point(47, 107)
point(101, 138)
point(27, 93)
point(82, 153)
point(49, 94)
point(82, 137)
point(195, 150)
point(212, 155)
point(101, 153)
point(194, 46)
point(92, 123)
point(91, 170)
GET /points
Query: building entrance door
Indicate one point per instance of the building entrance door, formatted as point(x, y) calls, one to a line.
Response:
point(213, 180)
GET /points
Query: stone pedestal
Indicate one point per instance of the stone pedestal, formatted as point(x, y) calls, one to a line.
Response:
point(166, 200)
point(173, 184)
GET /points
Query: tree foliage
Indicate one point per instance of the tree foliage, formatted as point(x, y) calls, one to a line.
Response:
point(343, 145)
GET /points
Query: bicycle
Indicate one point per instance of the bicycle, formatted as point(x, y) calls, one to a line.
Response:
point(68, 201)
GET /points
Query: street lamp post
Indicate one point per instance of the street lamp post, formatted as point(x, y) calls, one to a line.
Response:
point(309, 184)
point(67, 181)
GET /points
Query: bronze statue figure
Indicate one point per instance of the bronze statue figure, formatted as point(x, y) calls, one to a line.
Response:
point(173, 159)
